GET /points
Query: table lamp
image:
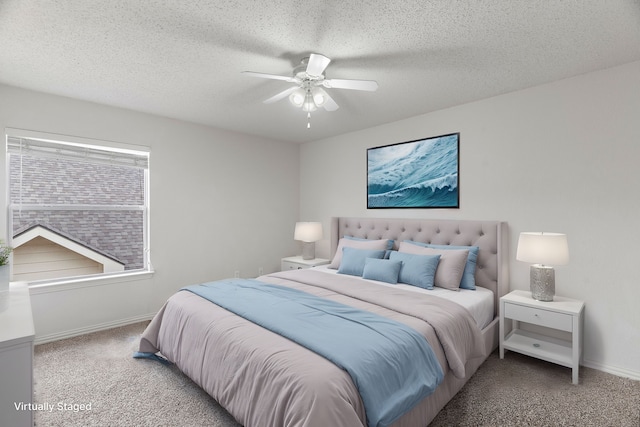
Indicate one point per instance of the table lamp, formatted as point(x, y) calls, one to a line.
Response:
point(544, 250)
point(309, 233)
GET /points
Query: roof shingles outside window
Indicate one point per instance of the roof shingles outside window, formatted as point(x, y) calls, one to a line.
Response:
point(115, 232)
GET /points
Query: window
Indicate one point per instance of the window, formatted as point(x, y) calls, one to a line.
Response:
point(76, 207)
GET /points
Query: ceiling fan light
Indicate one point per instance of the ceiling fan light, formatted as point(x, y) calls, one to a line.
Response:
point(297, 98)
point(309, 104)
point(319, 99)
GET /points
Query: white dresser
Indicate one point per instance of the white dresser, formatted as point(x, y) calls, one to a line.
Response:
point(16, 356)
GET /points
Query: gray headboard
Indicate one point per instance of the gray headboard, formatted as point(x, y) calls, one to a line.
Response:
point(492, 271)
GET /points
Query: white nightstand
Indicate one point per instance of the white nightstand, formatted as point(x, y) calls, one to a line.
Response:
point(297, 263)
point(562, 314)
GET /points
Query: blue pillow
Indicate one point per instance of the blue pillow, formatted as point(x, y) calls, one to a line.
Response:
point(417, 270)
point(468, 280)
point(384, 270)
point(353, 260)
point(389, 243)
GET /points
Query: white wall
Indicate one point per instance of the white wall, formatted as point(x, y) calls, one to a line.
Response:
point(220, 202)
point(560, 157)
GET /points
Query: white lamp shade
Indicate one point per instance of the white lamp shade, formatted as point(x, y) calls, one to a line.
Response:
point(309, 105)
point(543, 248)
point(308, 231)
point(318, 97)
point(297, 97)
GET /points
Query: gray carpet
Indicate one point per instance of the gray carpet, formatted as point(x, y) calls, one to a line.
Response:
point(98, 369)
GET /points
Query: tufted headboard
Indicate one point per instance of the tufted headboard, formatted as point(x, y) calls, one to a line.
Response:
point(490, 236)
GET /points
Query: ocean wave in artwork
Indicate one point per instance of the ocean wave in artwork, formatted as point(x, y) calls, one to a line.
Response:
point(418, 174)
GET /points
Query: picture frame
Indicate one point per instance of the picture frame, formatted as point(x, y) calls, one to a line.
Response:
point(417, 174)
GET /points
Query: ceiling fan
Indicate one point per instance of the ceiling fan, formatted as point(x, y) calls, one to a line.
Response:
point(310, 81)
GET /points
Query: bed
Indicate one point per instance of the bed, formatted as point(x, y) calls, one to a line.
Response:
point(265, 379)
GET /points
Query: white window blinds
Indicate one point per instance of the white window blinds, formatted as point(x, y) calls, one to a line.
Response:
point(86, 196)
point(77, 152)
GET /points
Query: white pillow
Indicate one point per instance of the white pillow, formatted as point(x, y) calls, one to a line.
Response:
point(357, 244)
point(450, 267)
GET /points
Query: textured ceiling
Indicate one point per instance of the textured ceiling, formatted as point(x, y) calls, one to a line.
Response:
point(182, 59)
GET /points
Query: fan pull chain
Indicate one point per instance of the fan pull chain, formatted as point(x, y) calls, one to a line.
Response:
point(309, 120)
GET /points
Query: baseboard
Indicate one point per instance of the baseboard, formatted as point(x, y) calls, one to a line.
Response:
point(42, 339)
point(615, 370)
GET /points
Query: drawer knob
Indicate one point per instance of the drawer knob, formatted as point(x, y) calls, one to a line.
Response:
point(536, 345)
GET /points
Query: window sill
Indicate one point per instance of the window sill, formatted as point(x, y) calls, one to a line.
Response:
point(87, 282)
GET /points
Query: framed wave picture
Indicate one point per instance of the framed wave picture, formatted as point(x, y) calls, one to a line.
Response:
point(415, 174)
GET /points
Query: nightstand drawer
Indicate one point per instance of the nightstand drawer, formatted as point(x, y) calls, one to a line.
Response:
point(550, 319)
point(288, 265)
point(298, 263)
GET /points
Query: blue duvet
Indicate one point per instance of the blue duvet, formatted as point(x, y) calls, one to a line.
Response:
point(391, 364)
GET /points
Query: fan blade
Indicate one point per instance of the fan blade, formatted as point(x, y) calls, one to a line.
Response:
point(281, 95)
point(329, 104)
point(368, 85)
point(317, 64)
point(269, 76)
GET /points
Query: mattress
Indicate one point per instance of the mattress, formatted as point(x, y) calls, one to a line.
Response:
point(479, 302)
